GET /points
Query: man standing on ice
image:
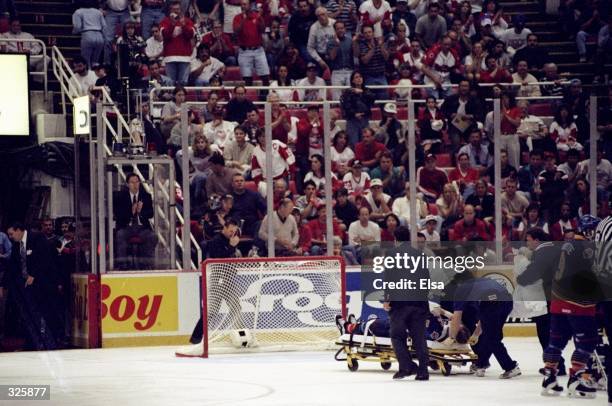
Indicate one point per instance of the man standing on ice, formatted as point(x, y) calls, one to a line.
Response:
point(408, 311)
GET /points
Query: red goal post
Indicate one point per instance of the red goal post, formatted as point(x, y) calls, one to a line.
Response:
point(282, 303)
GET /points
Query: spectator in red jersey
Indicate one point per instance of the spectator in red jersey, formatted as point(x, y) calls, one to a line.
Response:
point(283, 161)
point(464, 175)
point(305, 241)
point(376, 13)
point(318, 230)
point(369, 151)
point(220, 44)
point(430, 180)
point(249, 28)
point(178, 32)
point(470, 226)
point(440, 65)
point(281, 120)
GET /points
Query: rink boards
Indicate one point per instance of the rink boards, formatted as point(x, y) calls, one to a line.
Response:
point(151, 309)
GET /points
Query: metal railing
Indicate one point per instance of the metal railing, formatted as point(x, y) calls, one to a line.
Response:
point(70, 89)
point(7, 42)
point(155, 102)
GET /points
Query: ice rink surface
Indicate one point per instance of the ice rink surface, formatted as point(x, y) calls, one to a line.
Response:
point(153, 376)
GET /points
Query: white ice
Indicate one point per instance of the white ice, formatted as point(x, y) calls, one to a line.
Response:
point(153, 376)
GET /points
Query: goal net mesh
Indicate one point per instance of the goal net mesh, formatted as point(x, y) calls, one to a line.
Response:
point(283, 303)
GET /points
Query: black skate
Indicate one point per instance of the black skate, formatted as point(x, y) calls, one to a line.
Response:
point(550, 386)
point(580, 386)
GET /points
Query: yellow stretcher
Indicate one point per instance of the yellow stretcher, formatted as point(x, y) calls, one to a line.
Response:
point(379, 349)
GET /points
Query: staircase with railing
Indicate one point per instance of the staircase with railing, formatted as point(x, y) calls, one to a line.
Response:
point(119, 133)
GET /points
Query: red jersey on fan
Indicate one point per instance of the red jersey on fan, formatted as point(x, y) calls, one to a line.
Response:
point(252, 30)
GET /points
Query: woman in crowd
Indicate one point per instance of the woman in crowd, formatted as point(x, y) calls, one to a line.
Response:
point(450, 207)
point(131, 46)
point(391, 224)
point(531, 219)
point(282, 86)
point(564, 131)
point(171, 113)
point(431, 123)
point(199, 167)
point(356, 104)
point(317, 174)
point(475, 62)
point(341, 154)
point(579, 197)
point(483, 202)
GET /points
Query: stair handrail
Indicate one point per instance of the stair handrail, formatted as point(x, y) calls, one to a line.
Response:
point(62, 71)
point(42, 55)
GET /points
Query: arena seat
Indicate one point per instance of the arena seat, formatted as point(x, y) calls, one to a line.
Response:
point(249, 184)
point(541, 109)
point(432, 209)
point(232, 73)
point(444, 160)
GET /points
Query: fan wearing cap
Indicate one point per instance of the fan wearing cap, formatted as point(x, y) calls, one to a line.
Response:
point(430, 179)
point(356, 182)
point(515, 38)
point(390, 129)
point(377, 201)
point(218, 131)
point(313, 84)
point(429, 231)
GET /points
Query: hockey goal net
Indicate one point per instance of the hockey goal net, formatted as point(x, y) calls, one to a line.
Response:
point(274, 304)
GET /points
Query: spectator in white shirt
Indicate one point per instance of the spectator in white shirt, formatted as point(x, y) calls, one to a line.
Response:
point(401, 207)
point(429, 231)
point(83, 75)
point(526, 80)
point(314, 81)
point(154, 49)
point(363, 230)
point(319, 36)
point(515, 38)
point(205, 67)
point(34, 49)
point(218, 131)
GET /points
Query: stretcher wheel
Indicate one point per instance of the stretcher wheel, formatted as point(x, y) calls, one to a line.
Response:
point(446, 368)
point(352, 365)
point(385, 365)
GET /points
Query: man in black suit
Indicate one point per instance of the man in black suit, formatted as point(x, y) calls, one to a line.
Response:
point(133, 210)
point(31, 282)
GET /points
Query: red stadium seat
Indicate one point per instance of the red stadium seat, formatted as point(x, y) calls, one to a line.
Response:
point(232, 73)
point(541, 109)
point(250, 185)
point(432, 209)
point(444, 160)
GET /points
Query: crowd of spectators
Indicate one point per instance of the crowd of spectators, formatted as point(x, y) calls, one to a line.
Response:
point(461, 54)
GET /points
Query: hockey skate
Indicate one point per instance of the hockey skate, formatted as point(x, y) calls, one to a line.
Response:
point(550, 386)
point(579, 386)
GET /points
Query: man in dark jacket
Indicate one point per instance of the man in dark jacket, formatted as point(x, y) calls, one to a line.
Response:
point(248, 206)
point(544, 263)
point(31, 282)
point(463, 112)
point(408, 311)
point(223, 245)
point(299, 27)
point(133, 210)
